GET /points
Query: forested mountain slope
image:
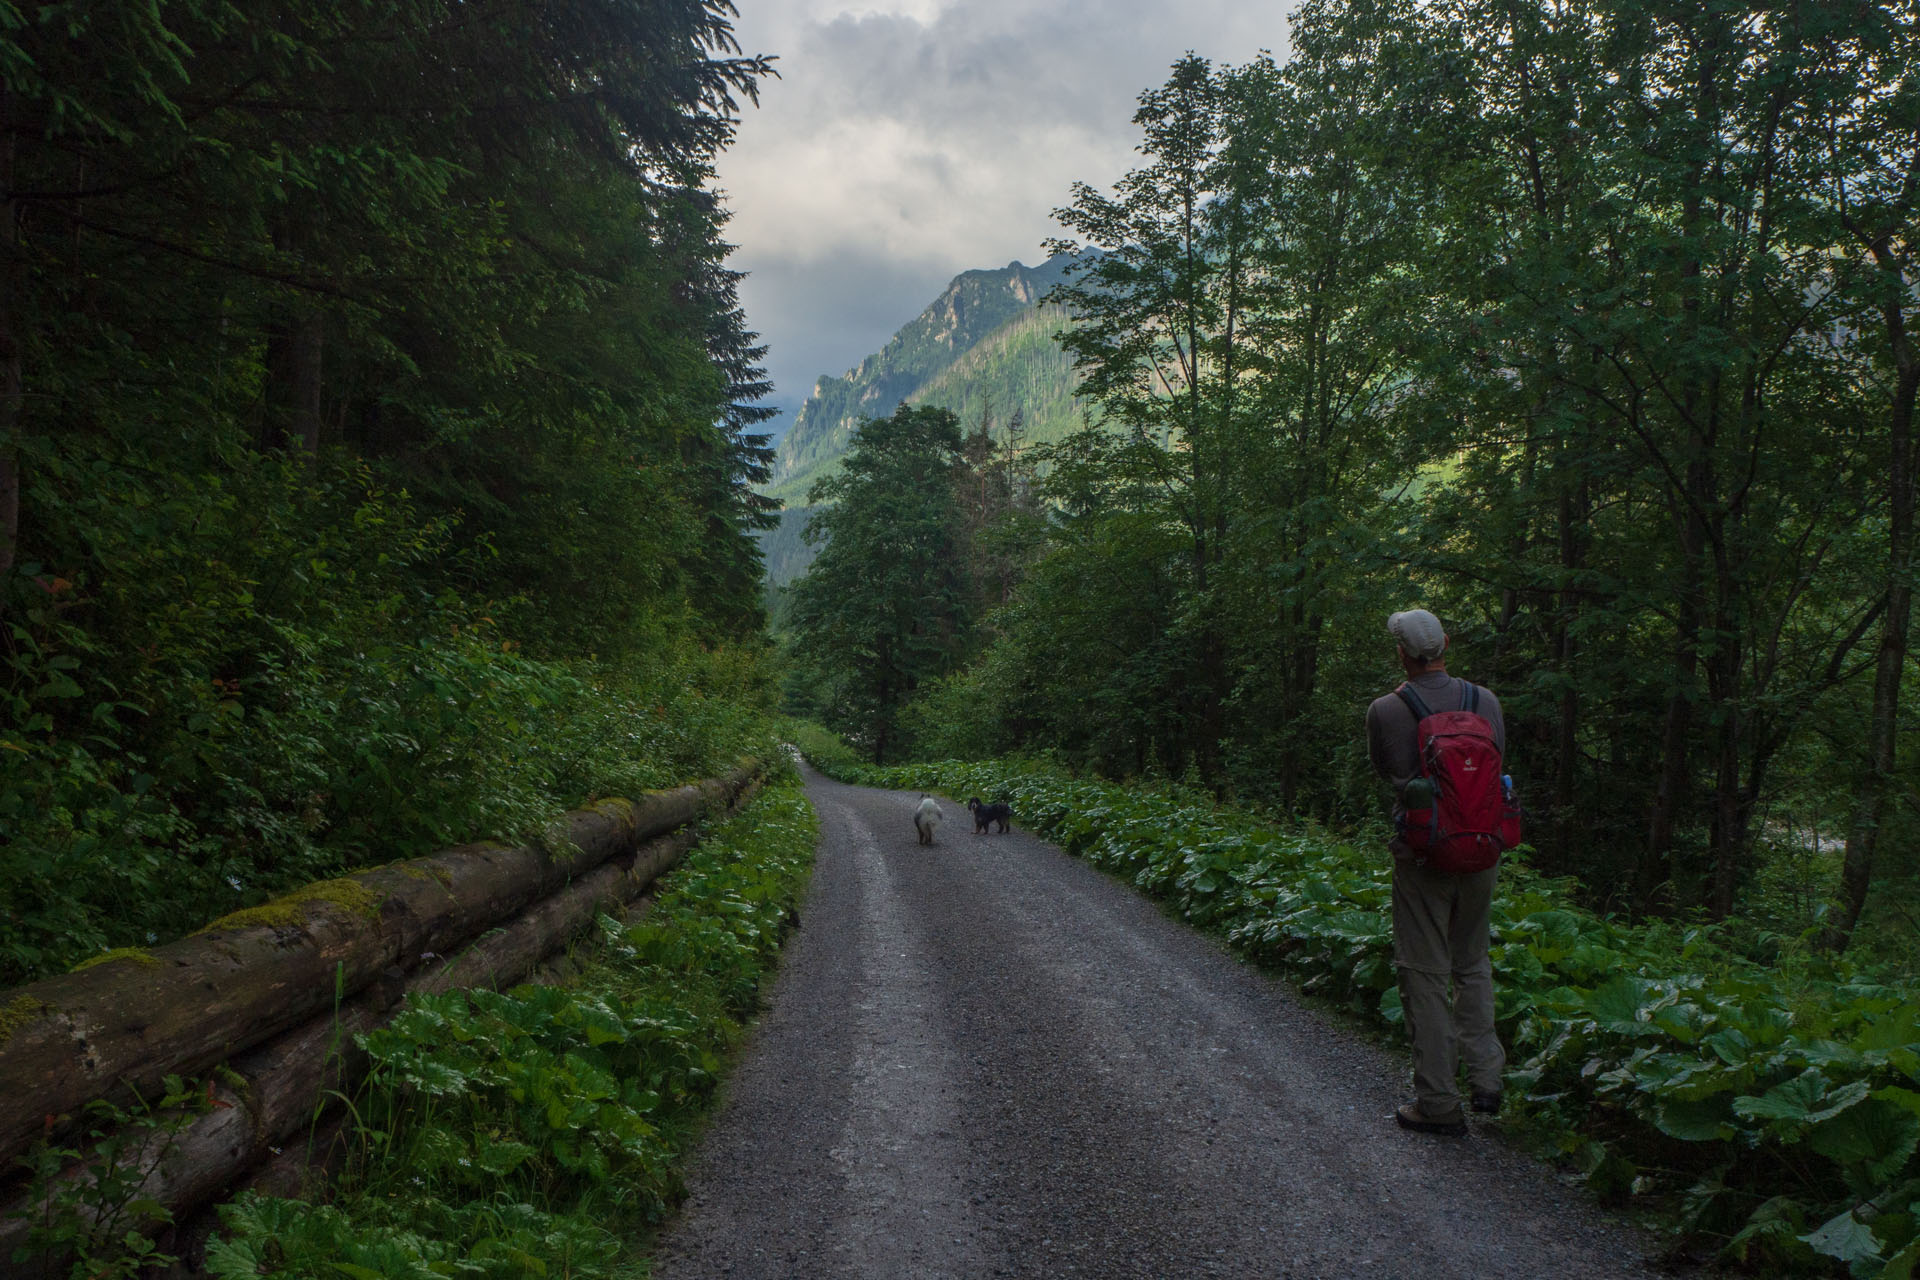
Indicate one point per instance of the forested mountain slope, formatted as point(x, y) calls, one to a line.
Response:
point(1016, 368)
point(784, 548)
point(985, 342)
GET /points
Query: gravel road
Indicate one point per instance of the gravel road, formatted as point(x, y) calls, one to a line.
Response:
point(988, 1059)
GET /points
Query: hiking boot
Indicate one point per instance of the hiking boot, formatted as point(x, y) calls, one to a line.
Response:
point(1411, 1117)
point(1487, 1101)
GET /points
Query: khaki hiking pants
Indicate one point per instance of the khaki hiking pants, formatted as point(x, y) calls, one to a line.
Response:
point(1440, 933)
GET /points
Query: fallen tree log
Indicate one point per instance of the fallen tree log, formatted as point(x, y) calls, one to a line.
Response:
point(115, 1030)
point(508, 954)
point(270, 1093)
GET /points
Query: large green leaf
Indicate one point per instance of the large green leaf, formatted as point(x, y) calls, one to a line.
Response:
point(1704, 1079)
point(1876, 1135)
point(1838, 1100)
point(1731, 1045)
point(1772, 1235)
point(1695, 1120)
point(1796, 1099)
point(1767, 1024)
point(1897, 1029)
point(1621, 1006)
point(1903, 1098)
point(1845, 1237)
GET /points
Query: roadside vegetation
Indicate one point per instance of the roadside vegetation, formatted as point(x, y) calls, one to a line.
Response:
point(1768, 1110)
point(540, 1130)
point(536, 1131)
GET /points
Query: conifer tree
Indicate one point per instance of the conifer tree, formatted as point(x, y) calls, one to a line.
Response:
point(884, 607)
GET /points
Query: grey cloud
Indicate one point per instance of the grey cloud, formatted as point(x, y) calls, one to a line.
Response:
point(895, 153)
point(1076, 66)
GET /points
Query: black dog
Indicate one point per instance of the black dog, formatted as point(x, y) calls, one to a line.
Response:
point(984, 815)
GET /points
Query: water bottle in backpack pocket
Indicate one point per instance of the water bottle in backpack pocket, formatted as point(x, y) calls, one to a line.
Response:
point(1511, 815)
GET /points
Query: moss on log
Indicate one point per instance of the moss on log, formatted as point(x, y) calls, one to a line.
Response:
point(115, 1030)
point(272, 1093)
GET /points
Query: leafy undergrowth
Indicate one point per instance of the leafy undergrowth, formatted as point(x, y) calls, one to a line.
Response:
point(537, 1132)
point(339, 757)
point(1775, 1113)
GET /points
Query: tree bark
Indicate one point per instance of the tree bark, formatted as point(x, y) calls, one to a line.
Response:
point(1575, 504)
point(309, 337)
point(1675, 757)
point(1883, 721)
point(506, 955)
point(10, 360)
point(114, 1030)
point(271, 1092)
point(1697, 492)
point(1729, 825)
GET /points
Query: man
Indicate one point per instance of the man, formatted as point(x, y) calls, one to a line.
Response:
point(1440, 927)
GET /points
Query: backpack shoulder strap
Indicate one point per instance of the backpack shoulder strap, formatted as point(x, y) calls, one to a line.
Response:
point(1413, 701)
point(1470, 697)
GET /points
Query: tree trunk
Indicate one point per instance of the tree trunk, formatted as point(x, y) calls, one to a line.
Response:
point(1883, 721)
point(309, 337)
point(1695, 494)
point(504, 956)
point(286, 1083)
point(1575, 505)
point(1302, 674)
point(1209, 726)
point(10, 359)
point(882, 724)
point(1675, 757)
point(115, 1029)
point(1728, 827)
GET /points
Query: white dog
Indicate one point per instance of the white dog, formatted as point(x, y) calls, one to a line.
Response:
point(926, 818)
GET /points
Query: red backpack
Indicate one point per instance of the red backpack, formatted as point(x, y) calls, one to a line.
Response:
point(1473, 817)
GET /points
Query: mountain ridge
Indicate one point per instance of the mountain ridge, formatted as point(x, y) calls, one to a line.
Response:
point(985, 344)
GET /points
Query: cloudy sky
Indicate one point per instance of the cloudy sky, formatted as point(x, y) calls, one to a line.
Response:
point(909, 140)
